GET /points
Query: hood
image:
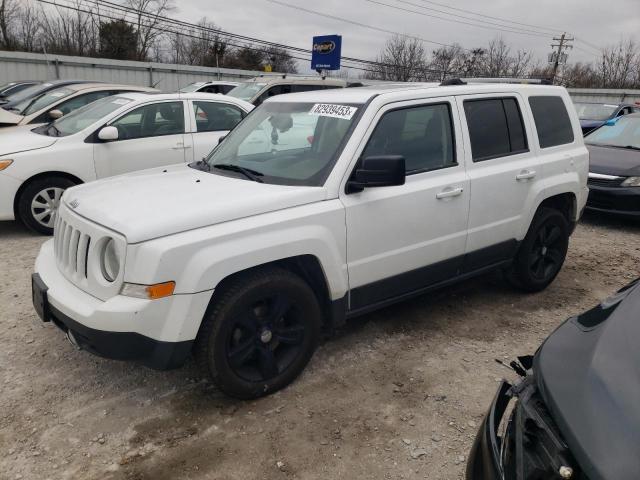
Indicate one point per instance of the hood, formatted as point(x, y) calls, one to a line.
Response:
point(22, 139)
point(164, 201)
point(588, 371)
point(7, 117)
point(623, 162)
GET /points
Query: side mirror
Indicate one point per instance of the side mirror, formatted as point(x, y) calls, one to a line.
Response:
point(221, 139)
point(108, 134)
point(378, 171)
point(55, 114)
point(611, 122)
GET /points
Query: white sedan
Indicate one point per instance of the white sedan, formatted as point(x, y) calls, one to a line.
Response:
point(111, 136)
point(55, 103)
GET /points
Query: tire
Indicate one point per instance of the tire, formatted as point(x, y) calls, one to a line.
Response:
point(542, 253)
point(259, 333)
point(39, 201)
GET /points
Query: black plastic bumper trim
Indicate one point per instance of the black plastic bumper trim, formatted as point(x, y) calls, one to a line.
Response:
point(128, 346)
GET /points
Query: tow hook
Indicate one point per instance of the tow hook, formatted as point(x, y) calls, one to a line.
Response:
point(72, 339)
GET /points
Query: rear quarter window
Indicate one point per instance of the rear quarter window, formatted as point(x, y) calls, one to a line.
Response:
point(552, 121)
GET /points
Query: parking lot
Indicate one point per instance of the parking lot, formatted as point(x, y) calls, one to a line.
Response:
point(397, 394)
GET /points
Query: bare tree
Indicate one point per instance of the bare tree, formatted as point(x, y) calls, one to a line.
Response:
point(618, 65)
point(402, 59)
point(30, 28)
point(498, 58)
point(447, 61)
point(148, 23)
point(8, 13)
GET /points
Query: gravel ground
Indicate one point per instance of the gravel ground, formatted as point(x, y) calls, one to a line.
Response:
point(397, 394)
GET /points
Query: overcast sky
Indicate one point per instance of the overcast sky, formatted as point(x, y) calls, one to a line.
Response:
point(598, 22)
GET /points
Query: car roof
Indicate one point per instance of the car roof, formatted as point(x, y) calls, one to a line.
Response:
point(392, 91)
point(607, 103)
point(135, 96)
point(309, 80)
point(106, 86)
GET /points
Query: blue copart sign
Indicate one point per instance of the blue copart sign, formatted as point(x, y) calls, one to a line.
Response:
point(326, 52)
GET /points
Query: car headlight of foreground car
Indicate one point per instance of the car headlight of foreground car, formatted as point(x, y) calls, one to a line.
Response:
point(631, 182)
point(110, 261)
point(4, 163)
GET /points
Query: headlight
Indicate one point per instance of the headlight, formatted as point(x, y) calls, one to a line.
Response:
point(631, 182)
point(110, 261)
point(148, 292)
point(5, 163)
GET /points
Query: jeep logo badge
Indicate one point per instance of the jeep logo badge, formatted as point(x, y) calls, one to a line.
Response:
point(74, 203)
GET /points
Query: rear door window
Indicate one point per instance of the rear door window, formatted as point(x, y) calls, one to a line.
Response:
point(495, 128)
point(215, 116)
point(552, 121)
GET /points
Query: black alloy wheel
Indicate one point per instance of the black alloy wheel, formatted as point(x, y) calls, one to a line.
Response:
point(547, 254)
point(259, 333)
point(542, 252)
point(266, 339)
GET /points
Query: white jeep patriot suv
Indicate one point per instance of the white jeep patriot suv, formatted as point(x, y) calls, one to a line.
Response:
point(356, 199)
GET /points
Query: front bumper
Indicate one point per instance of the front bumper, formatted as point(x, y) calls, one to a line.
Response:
point(155, 333)
point(484, 460)
point(615, 200)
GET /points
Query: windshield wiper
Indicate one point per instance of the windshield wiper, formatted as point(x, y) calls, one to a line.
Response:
point(247, 172)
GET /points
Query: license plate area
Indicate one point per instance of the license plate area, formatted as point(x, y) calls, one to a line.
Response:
point(39, 297)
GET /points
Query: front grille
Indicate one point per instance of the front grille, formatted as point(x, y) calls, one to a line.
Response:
point(71, 248)
point(605, 182)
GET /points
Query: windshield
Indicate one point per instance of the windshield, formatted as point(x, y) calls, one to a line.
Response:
point(625, 133)
point(29, 106)
point(192, 87)
point(595, 111)
point(29, 92)
point(286, 143)
point(246, 91)
point(83, 117)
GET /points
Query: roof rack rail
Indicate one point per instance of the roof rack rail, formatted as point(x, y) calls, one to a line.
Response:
point(465, 81)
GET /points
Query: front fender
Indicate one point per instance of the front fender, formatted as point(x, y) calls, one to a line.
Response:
point(199, 260)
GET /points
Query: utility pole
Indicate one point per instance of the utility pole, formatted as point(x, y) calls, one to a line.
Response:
point(559, 57)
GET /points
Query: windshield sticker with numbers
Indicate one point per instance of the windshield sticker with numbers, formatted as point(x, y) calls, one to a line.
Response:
point(336, 111)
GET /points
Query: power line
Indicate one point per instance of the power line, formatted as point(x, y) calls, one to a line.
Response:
point(164, 29)
point(553, 30)
point(222, 32)
point(359, 24)
point(489, 25)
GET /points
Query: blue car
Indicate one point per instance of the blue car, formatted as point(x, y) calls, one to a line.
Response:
point(594, 115)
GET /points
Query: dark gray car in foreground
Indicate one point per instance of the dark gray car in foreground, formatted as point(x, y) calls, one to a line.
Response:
point(575, 413)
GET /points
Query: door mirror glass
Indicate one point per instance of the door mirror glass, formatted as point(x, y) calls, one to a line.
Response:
point(378, 171)
point(108, 134)
point(55, 114)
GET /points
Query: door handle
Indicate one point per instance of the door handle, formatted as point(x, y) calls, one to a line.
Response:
point(180, 146)
point(449, 192)
point(526, 175)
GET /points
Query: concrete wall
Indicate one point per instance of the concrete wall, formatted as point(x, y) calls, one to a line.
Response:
point(603, 95)
point(164, 76)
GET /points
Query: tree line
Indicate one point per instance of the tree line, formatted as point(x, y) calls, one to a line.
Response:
point(406, 59)
point(140, 34)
